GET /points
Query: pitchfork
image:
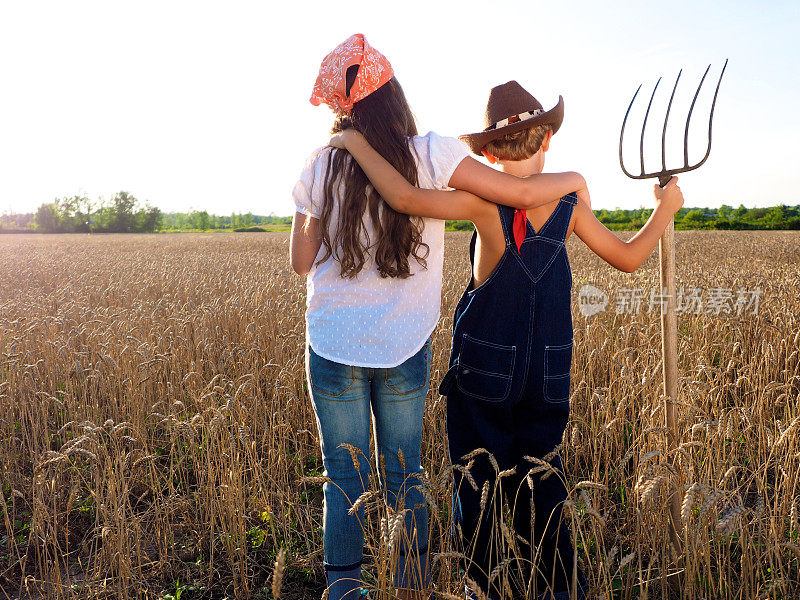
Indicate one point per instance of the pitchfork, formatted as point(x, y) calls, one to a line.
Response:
point(666, 252)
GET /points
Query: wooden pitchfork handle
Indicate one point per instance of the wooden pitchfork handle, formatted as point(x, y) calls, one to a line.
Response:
point(669, 352)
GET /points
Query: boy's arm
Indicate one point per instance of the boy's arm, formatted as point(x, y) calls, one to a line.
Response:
point(583, 194)
point(470, 175)
point(304, 242)
point(628, 256)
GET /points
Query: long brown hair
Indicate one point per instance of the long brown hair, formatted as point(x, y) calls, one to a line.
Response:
point(385, 120)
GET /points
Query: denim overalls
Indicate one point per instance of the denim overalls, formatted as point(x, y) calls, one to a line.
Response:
point(507, 391)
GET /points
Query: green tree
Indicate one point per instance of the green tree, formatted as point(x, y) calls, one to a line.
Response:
point(148, 219)
point(123, 204)
point(697, 215)
point(203, 220)
point(47, 218)
point(102, 217)
point(776, 217)
point(74, 213)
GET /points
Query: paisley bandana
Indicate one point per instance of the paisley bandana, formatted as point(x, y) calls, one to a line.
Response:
point(373, 72)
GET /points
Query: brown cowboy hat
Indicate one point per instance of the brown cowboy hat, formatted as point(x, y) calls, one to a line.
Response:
point(510, 108)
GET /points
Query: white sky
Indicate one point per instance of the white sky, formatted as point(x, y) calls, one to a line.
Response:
point(204, 105)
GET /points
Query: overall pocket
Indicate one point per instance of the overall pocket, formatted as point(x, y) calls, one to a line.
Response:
point(485, 369)
point(557, 362)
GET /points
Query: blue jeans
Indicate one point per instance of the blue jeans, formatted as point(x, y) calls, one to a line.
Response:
point(345, 399)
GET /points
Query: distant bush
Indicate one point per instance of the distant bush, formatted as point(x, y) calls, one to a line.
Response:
point(460, 226)
point(251, 229)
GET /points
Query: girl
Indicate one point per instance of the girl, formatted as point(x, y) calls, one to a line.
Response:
point(509, 379)
point(374, 285)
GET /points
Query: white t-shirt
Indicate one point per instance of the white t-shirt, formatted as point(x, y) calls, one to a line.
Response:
point(374, 321)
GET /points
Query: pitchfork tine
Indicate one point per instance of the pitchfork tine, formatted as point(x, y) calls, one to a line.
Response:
point(641, 140)
point(689, 118)
point(622, 132)
point(711, 117)
point(664, 133)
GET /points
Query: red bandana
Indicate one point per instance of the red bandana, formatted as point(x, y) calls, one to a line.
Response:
point(520, 227)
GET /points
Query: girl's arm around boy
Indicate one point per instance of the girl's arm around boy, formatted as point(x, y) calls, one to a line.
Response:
point(540, 189)
point(470, 177)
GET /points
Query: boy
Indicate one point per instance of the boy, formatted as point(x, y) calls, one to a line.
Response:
point(509, 379)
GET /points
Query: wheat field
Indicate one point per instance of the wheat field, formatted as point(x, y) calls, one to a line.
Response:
point(157, 440)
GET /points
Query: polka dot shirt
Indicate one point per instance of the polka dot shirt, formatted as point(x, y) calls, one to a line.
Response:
point(371, 321)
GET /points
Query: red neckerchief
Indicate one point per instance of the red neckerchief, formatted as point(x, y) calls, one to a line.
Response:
point(520, 227)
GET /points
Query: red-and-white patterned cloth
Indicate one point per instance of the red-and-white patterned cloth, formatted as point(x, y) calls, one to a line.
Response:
point(330, 86)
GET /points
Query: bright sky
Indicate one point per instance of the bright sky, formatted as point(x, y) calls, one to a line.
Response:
point(205, 105)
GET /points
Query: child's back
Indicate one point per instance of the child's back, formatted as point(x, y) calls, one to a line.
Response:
point(512, 333)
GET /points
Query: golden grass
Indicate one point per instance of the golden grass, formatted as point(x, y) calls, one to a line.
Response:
point(156, 436)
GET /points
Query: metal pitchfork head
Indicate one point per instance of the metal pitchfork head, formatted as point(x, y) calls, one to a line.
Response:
point(665, 174)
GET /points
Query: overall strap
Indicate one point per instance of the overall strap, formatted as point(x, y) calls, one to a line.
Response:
point(507, 222)
point(472, 249)
point(560, 223)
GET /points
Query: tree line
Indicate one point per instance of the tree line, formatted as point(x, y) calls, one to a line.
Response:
point(124, 213)
point(724, 217)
